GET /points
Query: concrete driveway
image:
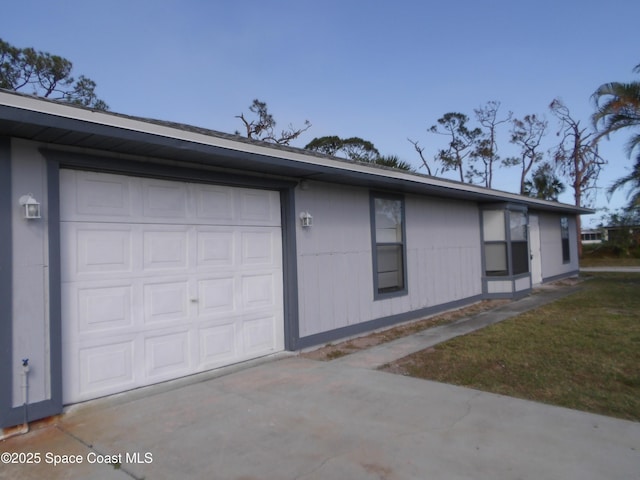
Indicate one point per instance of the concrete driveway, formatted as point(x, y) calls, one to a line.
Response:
point(301, 419)
point(293, 418)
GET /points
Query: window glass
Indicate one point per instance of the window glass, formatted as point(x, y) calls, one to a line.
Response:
point(388, 220)
point(495, 256)
point(564, 226)
point(389, 249)
point(390, 271)
point(518, 224)
point(564, 234)
point(493, 225)
point(520, 257)
point(496, 247)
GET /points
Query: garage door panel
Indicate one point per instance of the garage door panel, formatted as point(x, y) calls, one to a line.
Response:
point(164, 199)
point(216, 295)
point(218, 343)
point(174, 279)
point(258, 248)
point(215, 248)
point(167, 355)
point(105, 369)
point(89, 195)
point(165, 249)
point(214, 204)
point(258, 291)
point(166, 301)
point(257, 207)
point(258, 335)
point(98, 249)
point(103, 308)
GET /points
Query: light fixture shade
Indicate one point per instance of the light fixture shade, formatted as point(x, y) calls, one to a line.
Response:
point(31, 207)
point(306, 219)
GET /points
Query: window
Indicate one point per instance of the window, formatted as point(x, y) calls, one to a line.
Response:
point(388, 244)
point(519, 244)
point(506, 252)
point(495, 243)
point(564, 234)
point(591, 237)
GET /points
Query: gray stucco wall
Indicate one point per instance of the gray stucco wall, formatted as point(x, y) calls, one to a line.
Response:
point(335, 270)
point(551, 246)
point(30, 275)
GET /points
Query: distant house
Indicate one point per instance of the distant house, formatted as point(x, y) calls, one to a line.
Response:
point(611, 234)
point(592, 236)
point(137, 251)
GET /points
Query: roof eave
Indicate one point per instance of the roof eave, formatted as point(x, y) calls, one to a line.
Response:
point(50, 122)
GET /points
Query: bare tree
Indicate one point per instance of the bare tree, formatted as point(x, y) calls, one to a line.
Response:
point(577, 156)
point(461, 143)
point(486, 150)
point(527, 134)
point(420, 151)
point(263, 127)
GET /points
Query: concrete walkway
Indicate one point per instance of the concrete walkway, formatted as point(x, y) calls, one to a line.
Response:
point(294, 418)
point(611, 269)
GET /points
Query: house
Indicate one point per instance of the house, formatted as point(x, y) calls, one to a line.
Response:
point(626, 234)
point(137, 251)
point(590, 236)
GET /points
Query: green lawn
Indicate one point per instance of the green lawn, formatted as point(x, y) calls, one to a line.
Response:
point(581, 352)
point(586, 261)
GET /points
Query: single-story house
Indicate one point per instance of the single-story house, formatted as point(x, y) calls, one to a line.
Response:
point(590, 236)
point(612, 233)
point(137, 251)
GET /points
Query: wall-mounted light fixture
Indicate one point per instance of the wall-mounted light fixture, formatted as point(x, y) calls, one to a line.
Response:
point(306, 219)
point(31, 207)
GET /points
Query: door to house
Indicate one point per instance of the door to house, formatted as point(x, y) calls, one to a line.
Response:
point(534, 245)
point(163, 279)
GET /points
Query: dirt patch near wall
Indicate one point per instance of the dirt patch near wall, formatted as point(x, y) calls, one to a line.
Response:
point(332, 351)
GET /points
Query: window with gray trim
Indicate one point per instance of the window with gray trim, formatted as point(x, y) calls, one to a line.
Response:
point(564, 234)
point(519, 243)
point(388, 235)
point(506, 246)
point(495, 243)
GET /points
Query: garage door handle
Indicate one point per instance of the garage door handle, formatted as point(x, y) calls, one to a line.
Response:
point(194, 300)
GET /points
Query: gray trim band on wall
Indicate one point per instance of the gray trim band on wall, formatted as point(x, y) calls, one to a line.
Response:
point(6, 281)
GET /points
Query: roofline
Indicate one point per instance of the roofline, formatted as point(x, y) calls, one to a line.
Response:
point(28, 109)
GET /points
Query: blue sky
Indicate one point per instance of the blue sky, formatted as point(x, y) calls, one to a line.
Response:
point(381, 70)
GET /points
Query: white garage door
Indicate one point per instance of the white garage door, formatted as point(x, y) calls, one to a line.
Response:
point(163, 279)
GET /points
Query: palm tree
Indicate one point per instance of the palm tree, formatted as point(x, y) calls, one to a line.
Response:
point(618, 108)
point(393, 161)
point(633, 182)
point(544, 184)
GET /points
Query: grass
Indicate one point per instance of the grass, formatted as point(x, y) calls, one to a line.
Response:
point(333, 351)
point(608, 255)
point(587, 261)
point(581, 352)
